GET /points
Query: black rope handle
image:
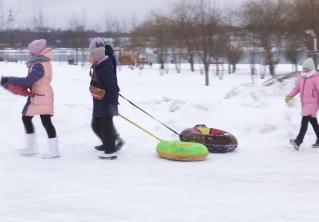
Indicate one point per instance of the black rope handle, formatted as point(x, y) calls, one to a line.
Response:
point(149, 115)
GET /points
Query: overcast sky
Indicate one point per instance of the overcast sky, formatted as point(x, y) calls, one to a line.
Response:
point(60, 12)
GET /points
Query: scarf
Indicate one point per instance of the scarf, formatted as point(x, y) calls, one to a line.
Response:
point(97, 55)
point(36, 59)
point(308, 74)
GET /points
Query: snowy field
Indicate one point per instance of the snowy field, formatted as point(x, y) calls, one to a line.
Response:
point(265, 180)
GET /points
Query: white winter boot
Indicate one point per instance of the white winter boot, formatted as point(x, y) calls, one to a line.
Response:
point(30, 148)
point(53, 149)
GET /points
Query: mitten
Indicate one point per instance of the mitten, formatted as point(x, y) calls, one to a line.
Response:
point(288, 98)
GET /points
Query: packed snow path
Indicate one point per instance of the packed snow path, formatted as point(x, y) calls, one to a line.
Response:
point(264, 180)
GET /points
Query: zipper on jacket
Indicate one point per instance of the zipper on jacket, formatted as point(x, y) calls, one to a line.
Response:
point(303, 89)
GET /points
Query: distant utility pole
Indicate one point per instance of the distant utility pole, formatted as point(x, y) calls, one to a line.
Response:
point(313, 52)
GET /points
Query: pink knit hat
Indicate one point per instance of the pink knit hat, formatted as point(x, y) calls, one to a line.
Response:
point(36, 46)
point(96, 42)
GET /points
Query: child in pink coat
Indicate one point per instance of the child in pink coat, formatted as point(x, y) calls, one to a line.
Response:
point(308, 87)
point(40, 101)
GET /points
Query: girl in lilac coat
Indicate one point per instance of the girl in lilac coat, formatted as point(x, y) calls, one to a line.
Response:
point(308, 88)
point(105, 105)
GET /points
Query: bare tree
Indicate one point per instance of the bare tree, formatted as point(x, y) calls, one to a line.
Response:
point(38, 22)
point(208, 24)
point(10, 19)
point(78, 37)
point(185, 32)
point(7, 17)
point(141, 35)
point(233, 55)
point(76, 24)
point(264, 22)
point(293, 49)
point(235, 41)
point(302, 16)
point(2, 15)
point(111, 24)
point(140, 39)
point(161, 37)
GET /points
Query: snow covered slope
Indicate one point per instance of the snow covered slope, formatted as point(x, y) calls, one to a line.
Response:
point(264, 180)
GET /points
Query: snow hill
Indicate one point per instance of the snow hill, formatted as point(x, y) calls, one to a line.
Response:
point(265, 180)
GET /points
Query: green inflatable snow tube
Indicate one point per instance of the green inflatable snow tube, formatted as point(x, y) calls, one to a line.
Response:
point(182, 151)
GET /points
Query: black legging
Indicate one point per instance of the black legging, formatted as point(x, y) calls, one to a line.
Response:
point(104, 128)
point(304, 126)
point(46, 122)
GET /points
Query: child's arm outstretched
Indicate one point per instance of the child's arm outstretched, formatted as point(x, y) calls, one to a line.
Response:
point(293, 92)
point(36, 73)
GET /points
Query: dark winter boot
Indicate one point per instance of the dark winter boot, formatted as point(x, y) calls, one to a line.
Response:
point(110, 146)
point(99, 148)
point(295, 144)
point(316, 144)
point(119, 142)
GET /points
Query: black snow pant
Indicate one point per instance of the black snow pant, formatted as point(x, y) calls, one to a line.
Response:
point(304, 126)
point(104, 128)
point(46, 122)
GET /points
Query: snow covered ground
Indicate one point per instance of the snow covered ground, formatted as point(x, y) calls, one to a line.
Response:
point(265, 180)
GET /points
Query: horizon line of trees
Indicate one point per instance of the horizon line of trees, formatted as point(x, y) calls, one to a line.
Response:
point(198, 29)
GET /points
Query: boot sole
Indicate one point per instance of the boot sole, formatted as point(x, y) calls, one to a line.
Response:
point(29, 155)
point(53, 157)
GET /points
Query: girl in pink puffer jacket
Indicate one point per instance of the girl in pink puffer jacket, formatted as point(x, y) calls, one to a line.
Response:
point(40, 102)
point(308, 87)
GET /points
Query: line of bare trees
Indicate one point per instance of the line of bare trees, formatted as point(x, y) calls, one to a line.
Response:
point(201, 29)
point(196, 30)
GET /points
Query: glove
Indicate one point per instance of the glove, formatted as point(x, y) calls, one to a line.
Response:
point(4, 81)
point(287, 99)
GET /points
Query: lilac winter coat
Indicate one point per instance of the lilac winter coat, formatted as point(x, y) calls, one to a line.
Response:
point(309, 94)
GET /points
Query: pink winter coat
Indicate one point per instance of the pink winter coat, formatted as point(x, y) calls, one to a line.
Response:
point(42, 101)
point(309, 94)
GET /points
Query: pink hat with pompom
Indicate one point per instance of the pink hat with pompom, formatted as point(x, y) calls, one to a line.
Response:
point(37, 46)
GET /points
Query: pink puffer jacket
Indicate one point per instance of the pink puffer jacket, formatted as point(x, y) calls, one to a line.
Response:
point(309, 94)
point(42, 101)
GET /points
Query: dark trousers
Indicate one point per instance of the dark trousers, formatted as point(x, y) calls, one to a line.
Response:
point(104, 128)
point(46, 122)
point(304, 126)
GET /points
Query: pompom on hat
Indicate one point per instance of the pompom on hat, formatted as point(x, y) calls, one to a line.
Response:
point(37, 46)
